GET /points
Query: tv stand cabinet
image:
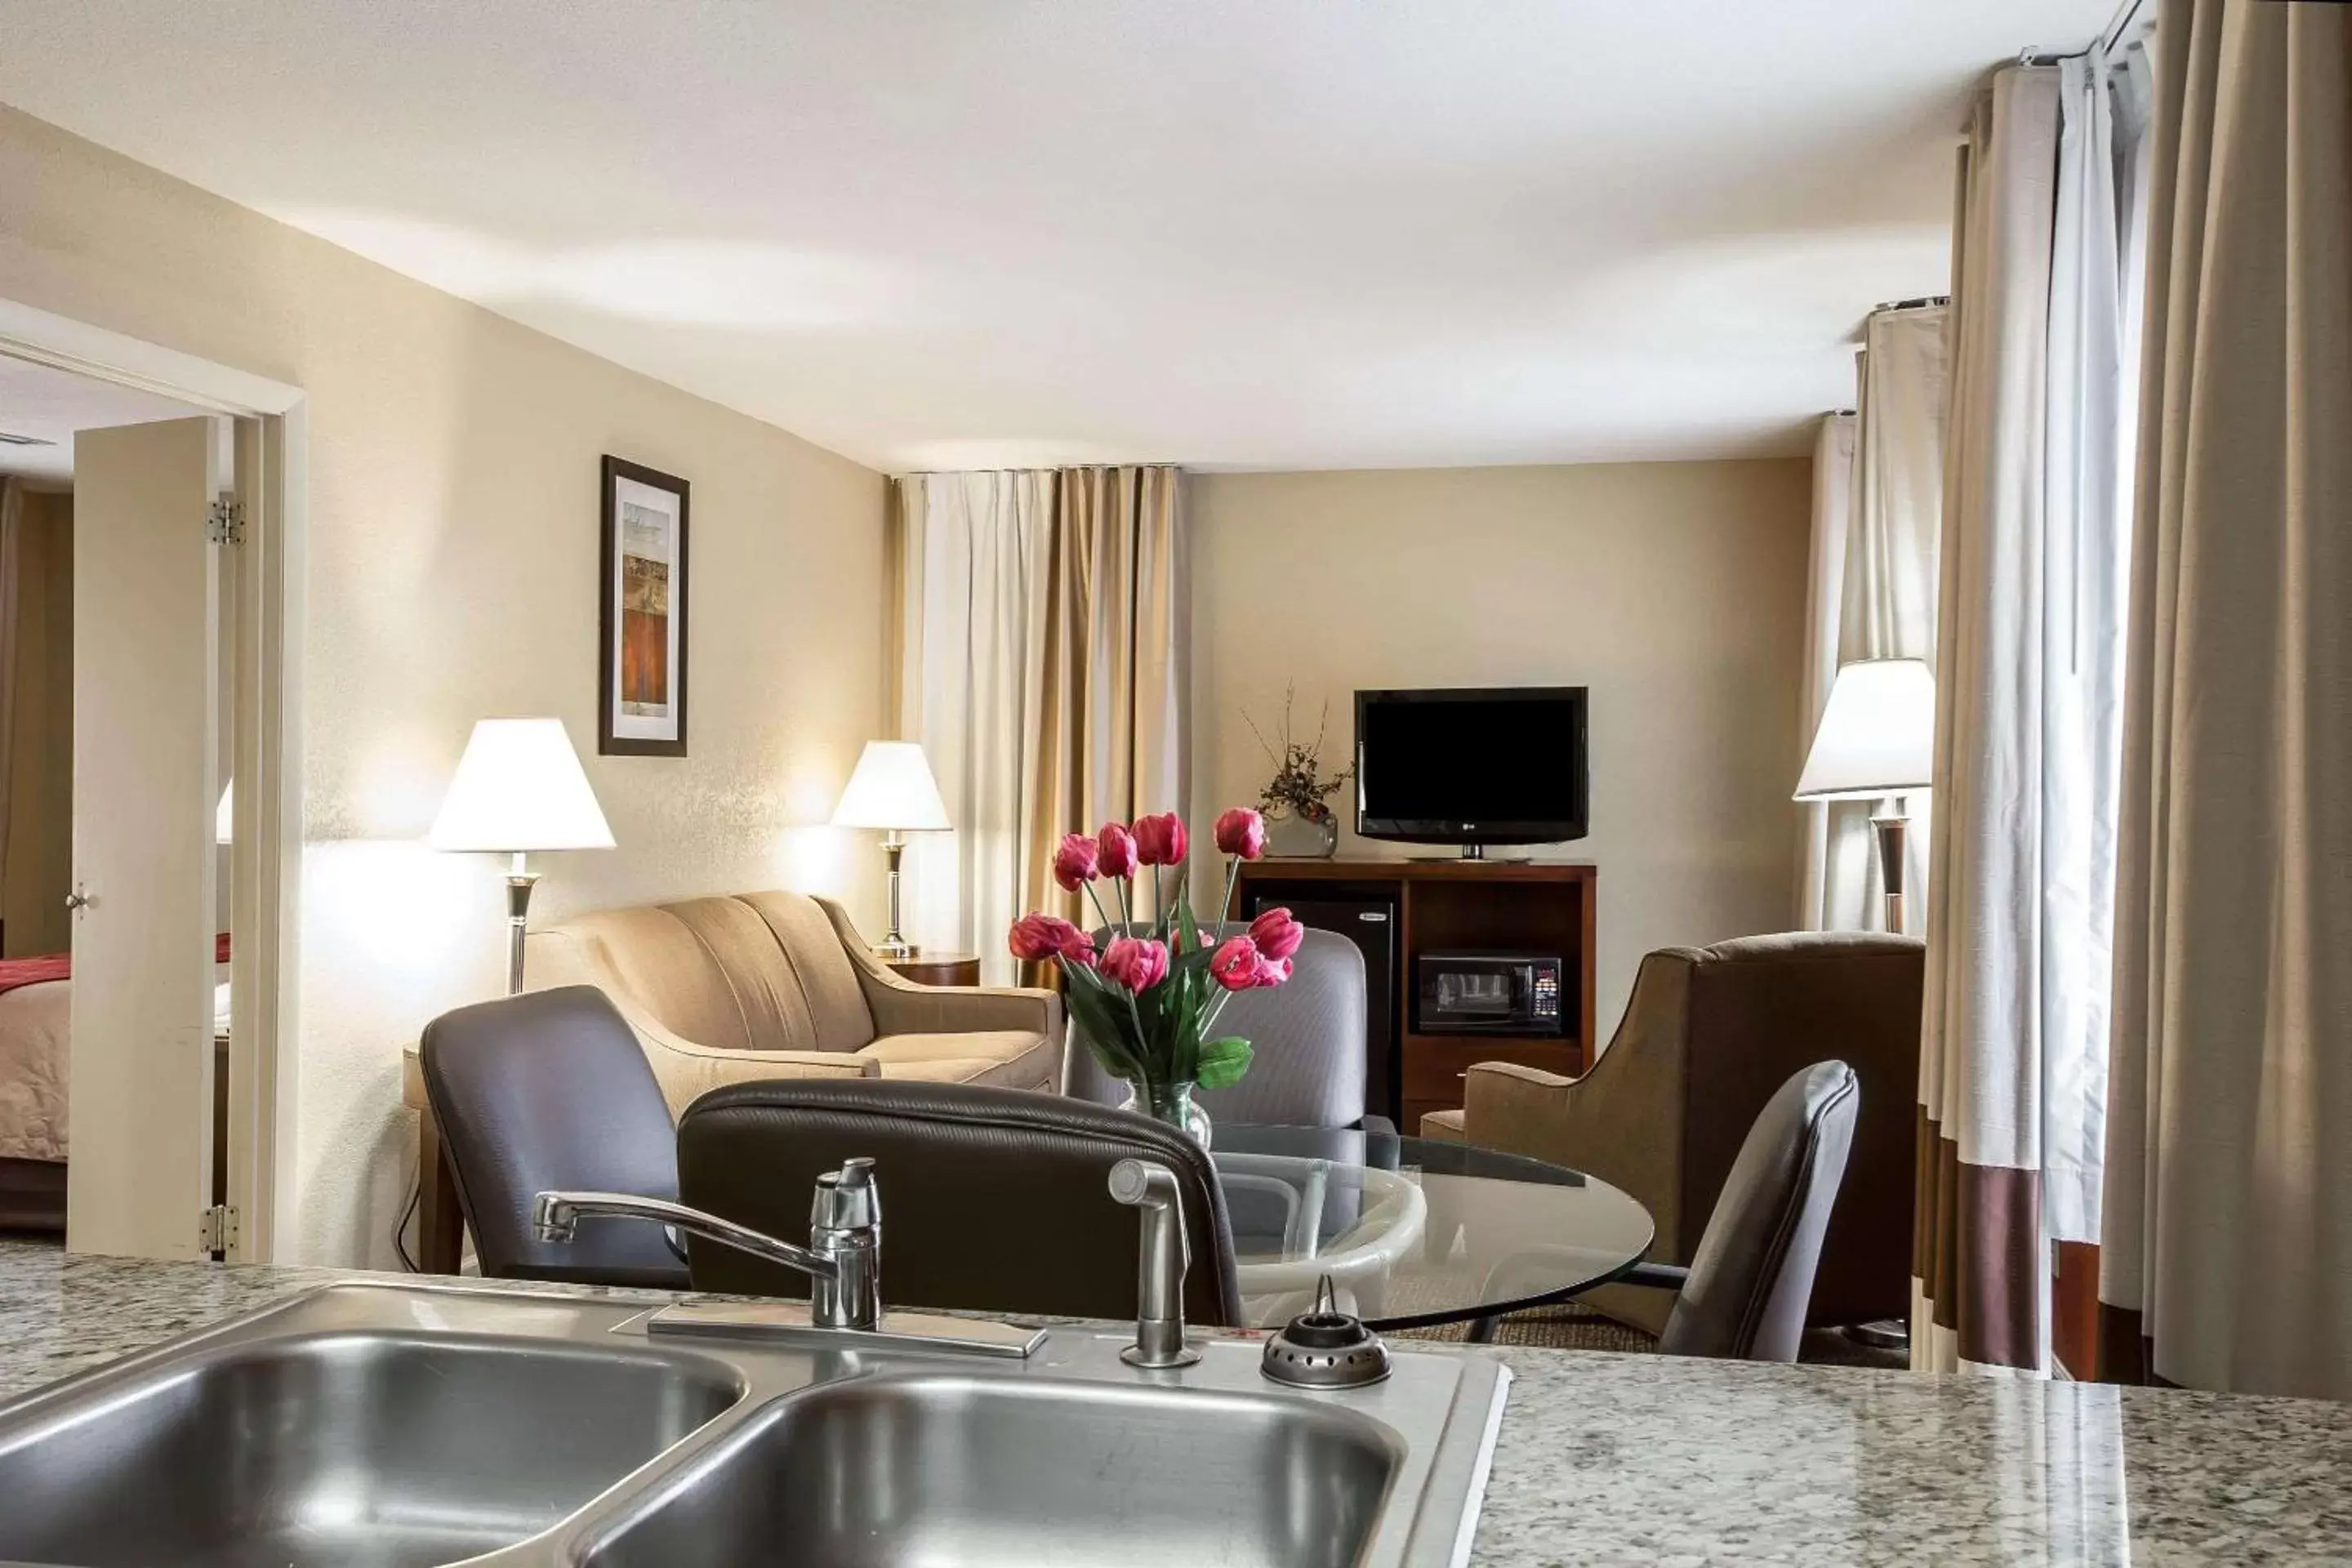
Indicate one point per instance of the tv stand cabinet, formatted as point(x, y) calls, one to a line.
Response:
point(1444, 904)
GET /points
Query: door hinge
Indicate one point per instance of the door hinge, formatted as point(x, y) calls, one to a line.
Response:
point(225, 524)
point(217, 1228)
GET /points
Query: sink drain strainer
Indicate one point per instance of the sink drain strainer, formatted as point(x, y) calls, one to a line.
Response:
point(1326, 1348)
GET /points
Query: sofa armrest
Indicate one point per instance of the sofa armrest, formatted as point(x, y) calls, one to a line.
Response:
point(1520, 1110)
point(902, 1007)
point(1622, 1120)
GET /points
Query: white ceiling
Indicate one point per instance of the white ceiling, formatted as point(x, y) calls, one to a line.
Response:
point(51, 405)
point(1230, 232)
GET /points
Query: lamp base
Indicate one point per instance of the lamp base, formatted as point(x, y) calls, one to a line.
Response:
point(1890, 824)
point(893, 945)
point(520, 882)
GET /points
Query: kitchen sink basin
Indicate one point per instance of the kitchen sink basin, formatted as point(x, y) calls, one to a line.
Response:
point(370, 1450)
point(401, 1426)
point(872, 1472)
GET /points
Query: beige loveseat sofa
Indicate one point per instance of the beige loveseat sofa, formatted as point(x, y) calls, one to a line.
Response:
point(766, 985)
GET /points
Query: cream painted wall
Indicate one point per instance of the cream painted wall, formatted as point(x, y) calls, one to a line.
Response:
point(451, 573)
point(1675, 590)
point(40, 858)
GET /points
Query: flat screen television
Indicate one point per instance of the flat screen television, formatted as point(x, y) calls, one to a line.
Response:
point(1473, 765)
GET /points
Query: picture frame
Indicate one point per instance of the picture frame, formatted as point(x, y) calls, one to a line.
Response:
point(645, 588)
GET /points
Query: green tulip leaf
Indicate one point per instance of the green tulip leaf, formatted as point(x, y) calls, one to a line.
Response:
point(1103, 1021)
point(1223, 1062)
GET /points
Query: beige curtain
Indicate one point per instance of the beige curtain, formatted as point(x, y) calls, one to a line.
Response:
point(12, 518)
point(1877, 511)
point(35, 721)
point(1042, 639)
point(2227, 1247)
point(10, 565)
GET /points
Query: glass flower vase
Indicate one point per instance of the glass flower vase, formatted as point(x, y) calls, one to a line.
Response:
point(1171, 1104)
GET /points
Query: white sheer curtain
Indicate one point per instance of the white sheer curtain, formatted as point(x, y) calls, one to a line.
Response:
point(2097, 300)
point(1820, 897)
point(975, 555)
point(1877, 506)
point(2029, 665)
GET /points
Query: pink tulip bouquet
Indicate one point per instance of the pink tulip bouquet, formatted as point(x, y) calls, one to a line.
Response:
point(1147, 1005)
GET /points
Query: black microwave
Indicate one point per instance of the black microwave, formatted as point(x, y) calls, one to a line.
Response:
point(1488, 993)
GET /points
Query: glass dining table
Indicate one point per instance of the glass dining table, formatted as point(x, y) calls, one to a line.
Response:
point(1412, 1232)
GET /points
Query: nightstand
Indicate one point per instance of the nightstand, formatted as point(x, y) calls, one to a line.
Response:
point(440, 1223)
point(937, 968)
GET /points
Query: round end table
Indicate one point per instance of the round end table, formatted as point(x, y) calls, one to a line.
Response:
point(928, 968)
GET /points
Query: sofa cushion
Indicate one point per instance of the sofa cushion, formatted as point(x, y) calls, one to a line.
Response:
point(831, 997)
point(1012, 1059)
point(776, 1014)
point(655, 959)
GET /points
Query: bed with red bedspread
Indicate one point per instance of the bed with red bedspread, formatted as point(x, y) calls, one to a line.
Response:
point(36, 1032)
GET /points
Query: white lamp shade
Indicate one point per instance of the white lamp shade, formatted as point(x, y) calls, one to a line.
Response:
point(224, 815)
point(519, 788)
point(892, 789)
point(1877, 735)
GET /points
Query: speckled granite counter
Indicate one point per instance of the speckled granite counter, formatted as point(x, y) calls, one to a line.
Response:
point(1619, 1458)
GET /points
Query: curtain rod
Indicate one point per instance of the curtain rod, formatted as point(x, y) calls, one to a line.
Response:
point(2122, 24)
point(2125, 16)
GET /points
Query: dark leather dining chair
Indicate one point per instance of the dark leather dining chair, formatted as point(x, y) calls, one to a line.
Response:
point(1746, 1293)
point(550, 1089)
point(992, 1199)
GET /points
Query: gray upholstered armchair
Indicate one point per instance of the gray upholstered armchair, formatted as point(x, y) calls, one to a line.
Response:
point(1308, 1035)
point(1707, 1037)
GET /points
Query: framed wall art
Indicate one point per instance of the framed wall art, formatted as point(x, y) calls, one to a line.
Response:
point(641, 702)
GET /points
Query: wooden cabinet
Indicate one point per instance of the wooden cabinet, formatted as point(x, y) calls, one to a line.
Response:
point(1453, 906)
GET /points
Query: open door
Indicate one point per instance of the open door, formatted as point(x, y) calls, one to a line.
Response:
point(146, 613)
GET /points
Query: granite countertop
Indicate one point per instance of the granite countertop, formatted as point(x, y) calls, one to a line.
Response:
point(1607, 1458)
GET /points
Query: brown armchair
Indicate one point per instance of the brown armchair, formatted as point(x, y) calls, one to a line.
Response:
point(1707, 1037)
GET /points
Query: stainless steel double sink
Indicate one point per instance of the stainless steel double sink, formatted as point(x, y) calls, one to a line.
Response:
point(392, 1427)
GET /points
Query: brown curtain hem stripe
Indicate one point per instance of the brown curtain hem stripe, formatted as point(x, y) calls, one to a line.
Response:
point(2000, 1235)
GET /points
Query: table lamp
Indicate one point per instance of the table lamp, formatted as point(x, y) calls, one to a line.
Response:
point(1876, 741)
point(519, 789)
point(893, 790)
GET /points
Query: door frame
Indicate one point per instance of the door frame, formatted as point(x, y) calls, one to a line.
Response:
point(272, 421)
